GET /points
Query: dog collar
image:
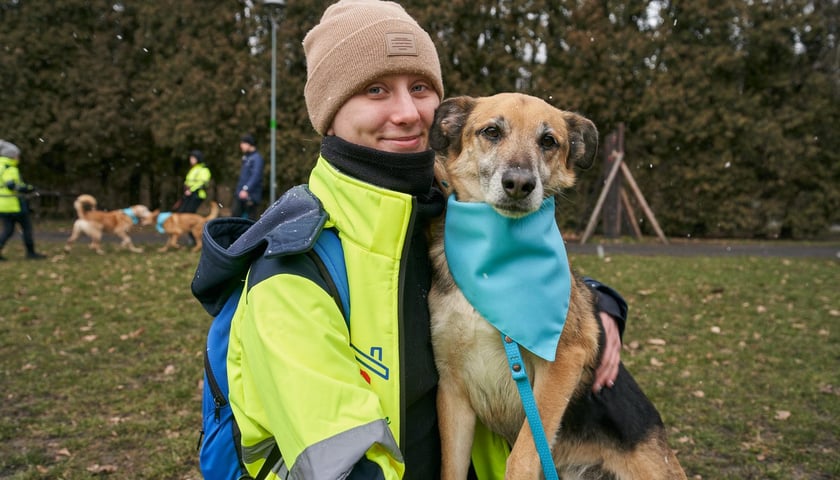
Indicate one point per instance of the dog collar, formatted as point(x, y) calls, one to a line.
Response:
point(128, 211)
point(514, 271)
point(162, 216)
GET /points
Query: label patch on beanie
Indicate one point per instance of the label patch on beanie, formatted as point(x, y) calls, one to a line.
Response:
point(400, 44)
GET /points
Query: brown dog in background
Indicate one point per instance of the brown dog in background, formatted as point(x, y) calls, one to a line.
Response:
point(175, 224)
point(512, 151)
point(94, 223)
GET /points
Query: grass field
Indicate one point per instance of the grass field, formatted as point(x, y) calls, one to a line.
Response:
point(101, 361)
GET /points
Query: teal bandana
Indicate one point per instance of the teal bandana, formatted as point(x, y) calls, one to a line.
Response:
point(130, 213)
point(514, 271)
point(162, 216)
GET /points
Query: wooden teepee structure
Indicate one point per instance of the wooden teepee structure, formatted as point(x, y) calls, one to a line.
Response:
point(619, 173)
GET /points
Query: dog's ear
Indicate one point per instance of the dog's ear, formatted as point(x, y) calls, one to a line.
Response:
point(450, 117)
point(583, 141)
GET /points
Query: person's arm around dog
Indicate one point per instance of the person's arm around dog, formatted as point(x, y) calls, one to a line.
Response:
point(612, 312)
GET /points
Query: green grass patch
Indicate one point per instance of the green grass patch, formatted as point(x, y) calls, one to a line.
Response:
point(101, 361)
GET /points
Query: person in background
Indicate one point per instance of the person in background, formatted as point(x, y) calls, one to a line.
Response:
point(195, 187)
point(195, 183)
point(14, 207)
point(357, 401)
point(248, 192)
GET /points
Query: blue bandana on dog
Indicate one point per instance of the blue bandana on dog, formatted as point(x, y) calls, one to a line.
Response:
point(514, 271)
point(162, 216)
point(128, 211)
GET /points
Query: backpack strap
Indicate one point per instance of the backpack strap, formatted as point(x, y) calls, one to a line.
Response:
point(270, 461)
point(331, 256)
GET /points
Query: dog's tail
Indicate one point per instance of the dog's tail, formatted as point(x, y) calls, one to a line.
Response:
point(214, 210)
point(84, 203)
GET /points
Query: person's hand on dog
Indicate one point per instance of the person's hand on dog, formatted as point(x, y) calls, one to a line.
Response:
point(607, 371)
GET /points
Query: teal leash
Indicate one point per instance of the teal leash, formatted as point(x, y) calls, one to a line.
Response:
point(517, 370)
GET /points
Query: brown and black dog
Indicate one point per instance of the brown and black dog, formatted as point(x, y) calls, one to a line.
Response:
point(512, 152)
point(175, 224)
point(94, 223)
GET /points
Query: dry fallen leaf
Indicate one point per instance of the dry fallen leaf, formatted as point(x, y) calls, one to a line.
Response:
point(698, 393)
point(97, 468)
point(169, 370)
point(656, 341)
point(782, 414)
point(656, 363)
point(133, 334)
point(715, 329)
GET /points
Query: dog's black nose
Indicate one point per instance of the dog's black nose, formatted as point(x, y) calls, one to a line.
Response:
point(518, 183)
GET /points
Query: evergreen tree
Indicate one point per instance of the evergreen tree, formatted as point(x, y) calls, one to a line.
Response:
point(730, 108)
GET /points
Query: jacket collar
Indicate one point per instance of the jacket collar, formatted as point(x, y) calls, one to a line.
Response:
point(411, 173)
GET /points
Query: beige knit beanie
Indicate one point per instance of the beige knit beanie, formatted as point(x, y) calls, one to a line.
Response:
point(356, 42)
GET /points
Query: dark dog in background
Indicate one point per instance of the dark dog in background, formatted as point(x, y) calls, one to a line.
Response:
point(512, 152)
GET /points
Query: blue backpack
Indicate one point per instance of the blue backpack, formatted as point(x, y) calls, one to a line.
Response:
point(219, 444)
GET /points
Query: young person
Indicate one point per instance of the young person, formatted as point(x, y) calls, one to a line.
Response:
point(355, 403)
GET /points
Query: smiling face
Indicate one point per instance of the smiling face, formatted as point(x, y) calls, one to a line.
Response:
point(393, 114)
point(510, 150)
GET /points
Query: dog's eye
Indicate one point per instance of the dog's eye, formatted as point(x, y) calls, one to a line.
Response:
point(548, 142)
point(491, 132)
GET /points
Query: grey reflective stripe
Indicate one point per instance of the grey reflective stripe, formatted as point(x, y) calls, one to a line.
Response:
point(263, 450)
point(330, 458)
point(257, 452)
point(335, 456)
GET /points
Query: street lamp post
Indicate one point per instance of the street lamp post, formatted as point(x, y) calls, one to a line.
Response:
point(276, 11)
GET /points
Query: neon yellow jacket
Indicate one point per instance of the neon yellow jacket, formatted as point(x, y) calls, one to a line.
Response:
point(275, 386)
point(299, 380)
point(197, 179)
point(11, 185)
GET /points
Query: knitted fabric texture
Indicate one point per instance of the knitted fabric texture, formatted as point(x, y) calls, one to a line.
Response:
point(356, 42)
point(9, 150)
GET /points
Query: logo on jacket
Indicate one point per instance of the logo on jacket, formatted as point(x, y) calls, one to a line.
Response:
point(372, 362)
